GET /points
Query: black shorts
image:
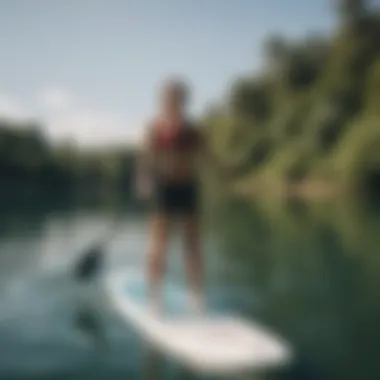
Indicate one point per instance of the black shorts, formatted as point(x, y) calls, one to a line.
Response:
point(178, 198)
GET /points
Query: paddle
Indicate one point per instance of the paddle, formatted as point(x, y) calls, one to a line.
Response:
point(91, 260)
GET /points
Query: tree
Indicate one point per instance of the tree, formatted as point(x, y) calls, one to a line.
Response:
point(251, 99)
point(351, 11)
point(276, 50)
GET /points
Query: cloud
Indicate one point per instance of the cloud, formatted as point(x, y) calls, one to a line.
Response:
point(91, 127)
point(62, 118)
point(54, 98)
point(10, 108)
point(69, 119)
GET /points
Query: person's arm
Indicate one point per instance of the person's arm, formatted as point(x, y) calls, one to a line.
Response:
point(144, 167)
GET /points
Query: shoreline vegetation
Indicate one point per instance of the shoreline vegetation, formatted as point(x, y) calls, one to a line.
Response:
point(305, 189)
point(31, 165)
point(306, 126)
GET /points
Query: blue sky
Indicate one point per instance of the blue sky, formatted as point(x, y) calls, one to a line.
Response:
point(89, 69)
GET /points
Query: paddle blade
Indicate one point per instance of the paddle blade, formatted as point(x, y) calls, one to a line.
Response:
point(90, 263)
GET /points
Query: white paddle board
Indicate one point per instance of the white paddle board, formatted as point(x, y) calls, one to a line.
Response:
point(212, 343)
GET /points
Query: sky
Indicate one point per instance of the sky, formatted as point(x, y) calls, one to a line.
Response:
point(89, 70)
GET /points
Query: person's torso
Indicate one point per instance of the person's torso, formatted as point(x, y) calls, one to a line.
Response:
point(176, 150)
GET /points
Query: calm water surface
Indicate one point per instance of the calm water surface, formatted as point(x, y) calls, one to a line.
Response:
point(310, 272)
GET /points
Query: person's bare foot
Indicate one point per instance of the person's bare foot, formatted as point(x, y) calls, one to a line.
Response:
point(155, 306)
point(196, 303)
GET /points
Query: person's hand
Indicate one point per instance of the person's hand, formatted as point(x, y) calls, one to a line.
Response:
point(144, 189)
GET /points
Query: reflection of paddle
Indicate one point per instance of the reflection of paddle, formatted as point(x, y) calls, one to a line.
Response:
point(86, 321)
point(91, 260)
point(152, 364)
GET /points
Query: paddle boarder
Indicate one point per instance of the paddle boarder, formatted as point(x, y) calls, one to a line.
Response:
point(168, 174)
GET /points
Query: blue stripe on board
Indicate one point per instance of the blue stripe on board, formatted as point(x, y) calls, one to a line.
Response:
point(175, 297)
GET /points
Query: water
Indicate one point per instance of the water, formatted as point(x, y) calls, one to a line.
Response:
point(309, 272)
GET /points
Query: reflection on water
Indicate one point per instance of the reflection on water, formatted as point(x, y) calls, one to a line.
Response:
point(309, 272)
point(316, 270)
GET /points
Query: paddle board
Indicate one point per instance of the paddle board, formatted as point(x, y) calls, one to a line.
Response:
point(216, 343)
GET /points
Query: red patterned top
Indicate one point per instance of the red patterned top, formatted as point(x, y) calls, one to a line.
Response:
point(175, 139)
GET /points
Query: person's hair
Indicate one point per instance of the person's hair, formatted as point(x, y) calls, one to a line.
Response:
point(177, 85)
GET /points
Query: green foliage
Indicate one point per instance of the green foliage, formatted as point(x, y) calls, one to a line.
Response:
point(291, 163)
point(313, 112)
point(357, 160)
point(251, 99)
point(372, 88)
point(351, 11)
point(276, 49)
point(27, 160)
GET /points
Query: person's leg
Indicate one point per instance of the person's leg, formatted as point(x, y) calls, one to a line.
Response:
point(159, 235)
point(194, 260)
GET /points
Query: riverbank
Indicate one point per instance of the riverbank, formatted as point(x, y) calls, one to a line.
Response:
point(305, 189)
